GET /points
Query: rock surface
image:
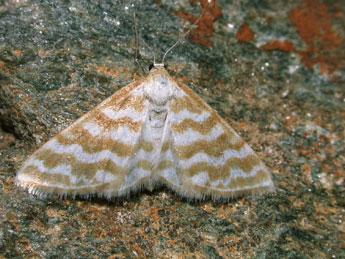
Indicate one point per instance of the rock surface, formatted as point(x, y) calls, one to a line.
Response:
point(274, 70)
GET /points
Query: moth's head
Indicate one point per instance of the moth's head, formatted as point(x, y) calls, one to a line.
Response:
point(157, 66)
point(158, 73)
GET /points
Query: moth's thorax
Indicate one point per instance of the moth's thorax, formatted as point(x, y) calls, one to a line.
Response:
point(158, 87)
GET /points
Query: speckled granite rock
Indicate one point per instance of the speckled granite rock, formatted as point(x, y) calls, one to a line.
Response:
point(274, 70)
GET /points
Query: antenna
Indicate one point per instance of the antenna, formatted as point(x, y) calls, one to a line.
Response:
point(187, 32)
point(137, 47)
point(137, 53)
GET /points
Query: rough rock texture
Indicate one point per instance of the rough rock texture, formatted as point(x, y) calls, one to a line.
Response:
point(273, 69)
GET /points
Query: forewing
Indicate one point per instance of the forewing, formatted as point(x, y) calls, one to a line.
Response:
point(98, 154)
point(212, 159)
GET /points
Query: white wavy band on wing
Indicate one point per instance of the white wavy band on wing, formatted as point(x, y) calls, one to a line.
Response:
point(236, 172)
point(78, 152)
point(122, 134)
point(185, 114)
point(216, 161)
point(189, 136)
point(61, 169)
point(202, 178)
point(65, 169)
point(126, 112)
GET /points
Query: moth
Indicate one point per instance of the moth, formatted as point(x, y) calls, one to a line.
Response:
point(154, 131)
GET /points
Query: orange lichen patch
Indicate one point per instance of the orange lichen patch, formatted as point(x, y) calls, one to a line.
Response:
point(138, 250)
point(324, 68)
point(107, 71)
point(279, 45)
point(306, 172)
point(13, 219)
point(313, 22)
point(4, 68)
point(245, 34)
point(223, 211)
point(204, 27)
point(6, 188)
point(326, 168)
point(155, 223)
point(305, 168)
point(43, 53)
point(18, 52)
point(318, 120)
point(335, 168)
point(306, 151)
point(290, 122)
point(2, 65)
